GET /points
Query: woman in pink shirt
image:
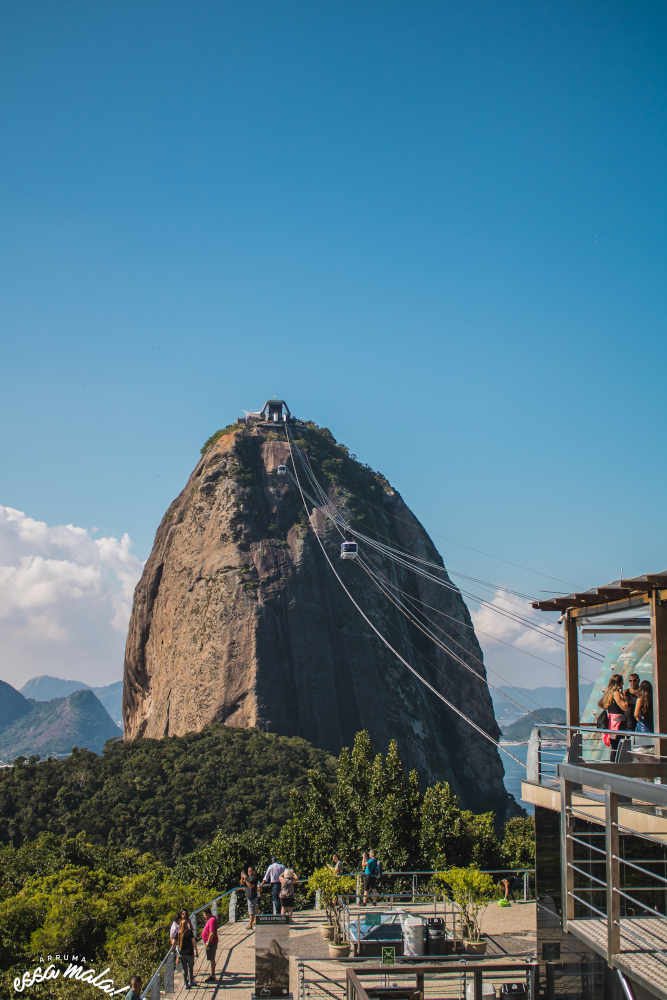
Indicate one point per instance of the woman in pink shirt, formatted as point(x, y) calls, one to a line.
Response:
point(209, 936)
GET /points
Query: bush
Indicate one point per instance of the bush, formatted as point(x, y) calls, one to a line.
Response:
point(471, 890)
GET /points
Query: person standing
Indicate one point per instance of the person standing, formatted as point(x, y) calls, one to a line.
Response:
point(188, 950)
point(209, 936)
point(335, 865)
point(174, 935)
point(371, 878)
point(616, 706)
point(250, 882)
point(288, 881)
point(644, 708)
point(134, 992)
point(272, 878)
point(631, 696)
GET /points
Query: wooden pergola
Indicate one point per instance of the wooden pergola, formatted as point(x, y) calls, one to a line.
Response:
point(648, 592)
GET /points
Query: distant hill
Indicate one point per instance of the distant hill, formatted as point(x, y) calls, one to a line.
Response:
point(507, 711)
point(13, 705)
point(165, 796)
point(521, 729)
point(54, 727)
point(46, 687)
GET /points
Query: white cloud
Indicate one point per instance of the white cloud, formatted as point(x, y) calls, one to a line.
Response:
point(506, 642)
point(65, 600)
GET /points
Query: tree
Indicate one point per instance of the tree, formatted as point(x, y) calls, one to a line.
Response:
point(518, 845)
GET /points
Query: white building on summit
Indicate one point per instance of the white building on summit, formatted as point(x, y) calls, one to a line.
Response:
point(274, 411)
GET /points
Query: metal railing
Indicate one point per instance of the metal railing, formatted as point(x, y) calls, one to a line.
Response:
point(456, 979)
point(617, 875)
point(417, 885)
point(626, 751)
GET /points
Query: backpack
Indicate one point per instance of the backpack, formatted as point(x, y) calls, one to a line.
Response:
point(602, 721)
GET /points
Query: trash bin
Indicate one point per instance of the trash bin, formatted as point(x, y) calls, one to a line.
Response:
point(435, 932)
point(413, 936)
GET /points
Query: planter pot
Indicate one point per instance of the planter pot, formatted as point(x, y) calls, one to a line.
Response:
point(475, 947)
point(327, 932)
point(338, 950)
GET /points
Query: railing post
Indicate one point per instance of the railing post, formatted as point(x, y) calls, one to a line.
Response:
point(358, 890)
point(567, 849)
point(214, 908)
point(169, 973)
point(193, 921)
point(478, 983)
point(531, 976)
point(155, 987)
point(414, 887)
point(232, 908)
point(612, 842)
point(525, 886)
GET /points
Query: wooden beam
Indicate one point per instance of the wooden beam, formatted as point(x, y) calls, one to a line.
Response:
point(571, 671)
point(659, 640)
point(553, 604)
point(613, 593)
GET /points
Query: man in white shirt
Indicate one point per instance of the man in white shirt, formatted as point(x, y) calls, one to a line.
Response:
point(272, 878)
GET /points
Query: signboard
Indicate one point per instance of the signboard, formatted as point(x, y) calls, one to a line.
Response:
point(389, 955)
point(271, 957)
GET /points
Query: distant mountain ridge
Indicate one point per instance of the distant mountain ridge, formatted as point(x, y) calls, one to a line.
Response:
point(45, 688)
point(522, 728)
point(510, 703)
point(40, 728)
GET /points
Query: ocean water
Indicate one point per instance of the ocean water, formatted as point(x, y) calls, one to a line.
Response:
point(514, 773)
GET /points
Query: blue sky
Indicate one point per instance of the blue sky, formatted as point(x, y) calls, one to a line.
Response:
point(439, 230)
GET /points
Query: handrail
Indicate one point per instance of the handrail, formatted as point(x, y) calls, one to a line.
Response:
point(632, 788)
point(592, 728)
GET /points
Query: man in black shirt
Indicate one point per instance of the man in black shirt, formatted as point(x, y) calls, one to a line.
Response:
point(250, 883)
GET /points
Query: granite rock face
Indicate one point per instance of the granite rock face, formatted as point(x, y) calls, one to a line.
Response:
point(238, 618)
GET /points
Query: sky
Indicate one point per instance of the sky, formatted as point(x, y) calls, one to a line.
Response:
point(438, 230)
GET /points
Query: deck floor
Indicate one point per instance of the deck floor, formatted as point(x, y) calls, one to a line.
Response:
point(509, 931)
point(643, 954)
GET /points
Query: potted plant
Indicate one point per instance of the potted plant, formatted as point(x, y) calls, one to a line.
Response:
point(331, 889)
point(471, 890)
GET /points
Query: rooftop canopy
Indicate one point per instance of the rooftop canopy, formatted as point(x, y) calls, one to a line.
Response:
point(617, 590)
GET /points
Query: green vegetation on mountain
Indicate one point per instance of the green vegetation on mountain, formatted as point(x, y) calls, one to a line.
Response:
point(164, 796)
point(522, 728)
point(70, 896)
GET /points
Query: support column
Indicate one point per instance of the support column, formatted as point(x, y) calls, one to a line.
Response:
point(613, 875)
point(571, 670)
point(567, 853)
point(659, 640)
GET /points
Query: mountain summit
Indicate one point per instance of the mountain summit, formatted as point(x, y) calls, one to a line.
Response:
point(238, 617)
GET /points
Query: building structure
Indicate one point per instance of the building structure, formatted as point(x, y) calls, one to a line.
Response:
point(600, 803)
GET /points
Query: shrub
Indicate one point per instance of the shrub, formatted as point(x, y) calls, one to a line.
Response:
point(471, 890)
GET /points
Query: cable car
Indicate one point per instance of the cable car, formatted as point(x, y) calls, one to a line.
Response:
point(348, 550)
point(281, 470)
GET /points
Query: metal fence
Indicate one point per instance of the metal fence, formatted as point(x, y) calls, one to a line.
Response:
point(616, 875)
point(625, 751)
